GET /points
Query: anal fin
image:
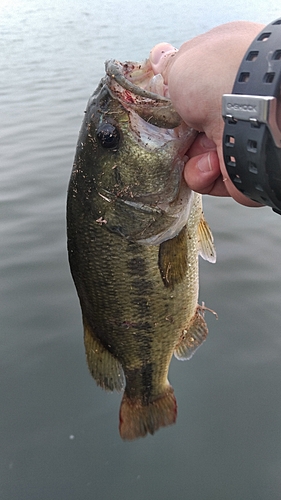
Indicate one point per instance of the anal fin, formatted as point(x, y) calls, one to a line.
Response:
point(192, 337)
point(138, 419)
point(105, 369)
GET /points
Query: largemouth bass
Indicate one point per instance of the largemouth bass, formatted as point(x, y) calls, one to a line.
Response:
point(135, 230)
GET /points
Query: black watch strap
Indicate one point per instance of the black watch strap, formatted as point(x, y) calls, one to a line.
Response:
point(251, 138)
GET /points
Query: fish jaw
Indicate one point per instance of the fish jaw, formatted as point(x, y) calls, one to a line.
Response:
point(137, 88)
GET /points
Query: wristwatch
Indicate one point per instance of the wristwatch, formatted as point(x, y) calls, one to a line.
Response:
point(252, 137)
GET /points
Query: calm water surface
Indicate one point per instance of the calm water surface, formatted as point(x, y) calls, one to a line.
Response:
point(59, 432)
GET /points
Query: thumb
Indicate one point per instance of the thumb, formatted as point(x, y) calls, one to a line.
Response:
point(202, 174)
point(160, 56)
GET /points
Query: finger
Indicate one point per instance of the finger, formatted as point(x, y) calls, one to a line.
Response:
point(202, 174)
point(201, 145)
point(160, 55)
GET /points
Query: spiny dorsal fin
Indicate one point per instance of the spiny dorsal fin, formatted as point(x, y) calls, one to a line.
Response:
point(172, 259)
point(105, 369)
point(192, 337)
point(206, 246)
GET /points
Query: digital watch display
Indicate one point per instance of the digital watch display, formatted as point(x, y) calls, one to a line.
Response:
point(252, 137)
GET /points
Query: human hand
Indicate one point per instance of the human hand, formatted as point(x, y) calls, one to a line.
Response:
point(197, 75)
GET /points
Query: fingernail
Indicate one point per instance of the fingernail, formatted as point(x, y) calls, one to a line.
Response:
point(204, 164)
point(160, 51)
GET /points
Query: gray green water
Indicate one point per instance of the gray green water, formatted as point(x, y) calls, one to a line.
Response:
point(58, 431)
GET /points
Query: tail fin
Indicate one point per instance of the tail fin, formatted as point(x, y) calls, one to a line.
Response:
point(137, 419)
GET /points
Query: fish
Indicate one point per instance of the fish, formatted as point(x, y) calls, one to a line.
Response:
point(134, 233)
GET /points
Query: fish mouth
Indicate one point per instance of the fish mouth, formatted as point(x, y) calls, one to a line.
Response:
point(145, 96)
point(139, 89)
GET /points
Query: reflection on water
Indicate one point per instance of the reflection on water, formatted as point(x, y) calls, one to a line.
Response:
point(59, 436)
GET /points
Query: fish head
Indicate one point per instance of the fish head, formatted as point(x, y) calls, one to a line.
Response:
point(130, 156)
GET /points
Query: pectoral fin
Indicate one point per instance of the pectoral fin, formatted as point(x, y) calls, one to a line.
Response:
point(105, 369)
point(206, 246)
point(192, 337)
point(172, 259)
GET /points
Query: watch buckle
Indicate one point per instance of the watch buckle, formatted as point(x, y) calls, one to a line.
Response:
point(255, 109)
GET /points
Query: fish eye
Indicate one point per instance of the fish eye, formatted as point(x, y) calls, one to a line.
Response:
point(108, 135)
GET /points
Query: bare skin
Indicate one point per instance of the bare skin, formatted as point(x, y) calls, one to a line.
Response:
point(197, 75)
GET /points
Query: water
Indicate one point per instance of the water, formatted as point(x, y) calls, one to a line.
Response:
point(59, 432)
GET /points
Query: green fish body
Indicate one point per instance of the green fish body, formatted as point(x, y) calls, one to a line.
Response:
point(134, 234)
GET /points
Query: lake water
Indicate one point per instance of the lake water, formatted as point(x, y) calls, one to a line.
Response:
point(59, 432)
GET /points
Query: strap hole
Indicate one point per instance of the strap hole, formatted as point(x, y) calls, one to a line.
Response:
point(252, 56)
point(231, 161)
point(252, 146)
point(276, 55)
point(268, 77)
point(230, 141)
point(264, 37)
point(237, 179)
point(278, 21)
point(252, 168)
point(244, 77)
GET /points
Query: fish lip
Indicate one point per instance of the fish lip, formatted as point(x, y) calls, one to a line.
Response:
point(153, 108)
point(115, 69)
